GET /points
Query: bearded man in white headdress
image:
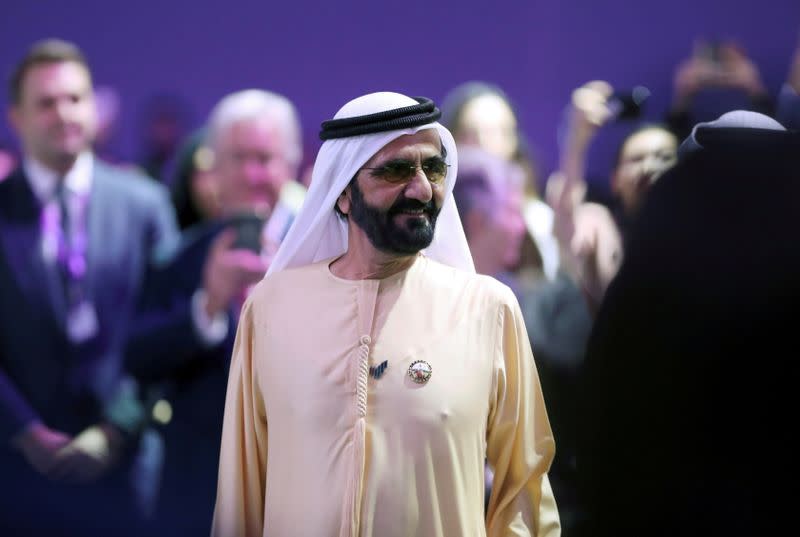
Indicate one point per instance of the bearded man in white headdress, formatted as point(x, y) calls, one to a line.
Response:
point(374, 371)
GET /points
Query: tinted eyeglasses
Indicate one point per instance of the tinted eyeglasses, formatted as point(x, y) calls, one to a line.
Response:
point(402, 170)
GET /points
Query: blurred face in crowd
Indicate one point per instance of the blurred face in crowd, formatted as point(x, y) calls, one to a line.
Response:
point(251, 166)
point(397, 211)
point(644, 157)
point(55, 117)
point(489, 123)
point(508, 226)
point(203, 184)
point(495, 234)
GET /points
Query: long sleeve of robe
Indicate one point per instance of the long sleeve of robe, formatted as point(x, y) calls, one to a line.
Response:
point(314, 444)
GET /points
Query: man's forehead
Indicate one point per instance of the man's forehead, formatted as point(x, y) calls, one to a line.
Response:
point(426, 142)
point(255, 124)
point(56, 69)
point(252, 131)
point(647, 139)
point(55, 76)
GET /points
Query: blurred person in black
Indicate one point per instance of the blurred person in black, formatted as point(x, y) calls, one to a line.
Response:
point(788, 107)
point(194, 189)
point(254, 137)
point(76, 238)
point(688, 405)
point(164, 117)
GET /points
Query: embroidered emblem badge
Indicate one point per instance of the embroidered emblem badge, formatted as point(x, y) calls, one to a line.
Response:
point(376, 371)
point(420, 371)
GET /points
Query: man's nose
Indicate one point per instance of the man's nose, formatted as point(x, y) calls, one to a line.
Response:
point(518, 223)
point(419, 188)
point(64, 109)
point(652, 166)
point(255, 172)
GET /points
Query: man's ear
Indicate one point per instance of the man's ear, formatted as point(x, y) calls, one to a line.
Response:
point(13, 116)
point(343, 201)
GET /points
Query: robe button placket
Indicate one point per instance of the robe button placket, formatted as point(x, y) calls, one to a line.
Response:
point(363, 375)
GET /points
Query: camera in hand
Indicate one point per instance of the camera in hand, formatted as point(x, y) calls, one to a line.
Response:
point(628, 104)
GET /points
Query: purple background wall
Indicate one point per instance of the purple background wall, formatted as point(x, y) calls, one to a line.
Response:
point(321, 54)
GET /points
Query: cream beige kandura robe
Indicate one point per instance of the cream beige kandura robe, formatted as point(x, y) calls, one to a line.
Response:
point(313, 446)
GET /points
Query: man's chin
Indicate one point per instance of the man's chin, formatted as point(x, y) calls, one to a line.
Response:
point(70, 144)
point(414, 240)
point(61, 156)
point(404, 249)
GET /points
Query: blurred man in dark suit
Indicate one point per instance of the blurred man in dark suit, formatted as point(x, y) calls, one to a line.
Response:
point(76, 237)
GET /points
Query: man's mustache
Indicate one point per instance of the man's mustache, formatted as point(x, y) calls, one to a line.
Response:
point(407, 204)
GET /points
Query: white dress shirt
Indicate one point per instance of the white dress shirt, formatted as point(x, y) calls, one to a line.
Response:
point(44, 183)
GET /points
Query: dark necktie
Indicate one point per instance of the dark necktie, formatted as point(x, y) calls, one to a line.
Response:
point(81, 320)
point(71, 250)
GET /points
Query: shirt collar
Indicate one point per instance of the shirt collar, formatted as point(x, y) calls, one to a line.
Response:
point(43, 180)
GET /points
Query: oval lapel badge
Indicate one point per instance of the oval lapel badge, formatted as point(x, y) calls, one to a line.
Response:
point(420, 371)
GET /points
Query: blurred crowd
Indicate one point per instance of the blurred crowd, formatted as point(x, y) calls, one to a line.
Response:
point(121, 282)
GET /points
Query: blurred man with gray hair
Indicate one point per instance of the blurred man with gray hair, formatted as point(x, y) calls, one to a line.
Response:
point(255, 139)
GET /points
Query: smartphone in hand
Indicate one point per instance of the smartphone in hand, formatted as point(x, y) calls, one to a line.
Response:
point(249, 228)
point(255, 233)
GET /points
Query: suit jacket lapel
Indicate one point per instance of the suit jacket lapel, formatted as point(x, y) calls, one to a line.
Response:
point(21, 238)
point(101, 216)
